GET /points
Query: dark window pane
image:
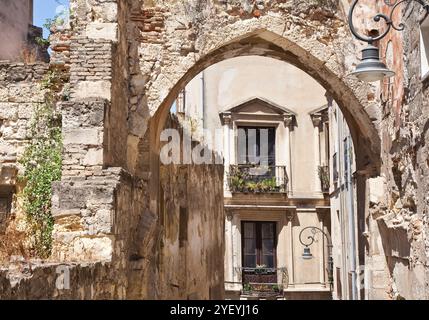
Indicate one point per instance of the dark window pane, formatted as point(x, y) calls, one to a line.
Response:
point(268, 247)
point(249, 246)
point(252, 141)
point(268, 261)
point(250, 261)
point(267, 231)
point(249, 230)
point(242, 146)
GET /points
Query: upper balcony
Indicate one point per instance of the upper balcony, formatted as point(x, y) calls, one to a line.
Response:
point(249, 178)
point(324, 175)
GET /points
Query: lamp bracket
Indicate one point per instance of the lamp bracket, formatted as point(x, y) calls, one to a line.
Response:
point(388, 19)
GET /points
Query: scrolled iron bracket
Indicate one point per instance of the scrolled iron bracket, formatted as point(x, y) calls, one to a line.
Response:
point(312, 238)
point(388, 19)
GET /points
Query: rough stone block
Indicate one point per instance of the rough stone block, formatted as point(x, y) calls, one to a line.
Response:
point(8, 111)
point(94, 157)
point(105, 31)
point(92, 89)
point(82, 136)
point(25, 111)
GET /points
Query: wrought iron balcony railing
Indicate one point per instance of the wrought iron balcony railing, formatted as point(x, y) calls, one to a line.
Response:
point(262, 281)
point(324, 176)
point(257, 179)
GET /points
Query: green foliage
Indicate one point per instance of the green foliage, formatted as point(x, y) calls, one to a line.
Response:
point(42, 42)
point(324, 178)
point(276, 288)
point(241, 181)
point(247, 287)
point(42, 162)
point(58, 20)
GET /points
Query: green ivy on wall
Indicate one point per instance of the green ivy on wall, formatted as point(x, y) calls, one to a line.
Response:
point(42, 160)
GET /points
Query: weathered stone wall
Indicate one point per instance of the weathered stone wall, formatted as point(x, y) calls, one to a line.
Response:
point(46, 281)
point(400, 214)
point(190, 254)
point(179, 40)
point(20, 94)
point(179, 253)
point(128, 61)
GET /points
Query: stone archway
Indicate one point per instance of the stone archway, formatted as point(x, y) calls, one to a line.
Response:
point(330, 74)
point(177, 46)
point(345, 92)
point(160, 46)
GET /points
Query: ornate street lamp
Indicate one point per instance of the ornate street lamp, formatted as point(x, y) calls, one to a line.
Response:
point(371, 69)
point(307, 255)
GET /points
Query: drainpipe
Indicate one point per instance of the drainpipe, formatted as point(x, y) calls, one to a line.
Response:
point(351, 210)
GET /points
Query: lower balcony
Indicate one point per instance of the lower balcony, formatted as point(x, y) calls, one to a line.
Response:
point(257, 179)
point(262, 282)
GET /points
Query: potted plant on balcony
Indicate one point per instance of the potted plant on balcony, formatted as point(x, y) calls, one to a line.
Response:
point(261, 269)
point(271, 185)
point(324, 178)
point(247, 288)
point(252, 187)
point(276, 288)
point(236, 183)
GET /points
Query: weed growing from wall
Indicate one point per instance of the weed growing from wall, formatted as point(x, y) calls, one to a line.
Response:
point(42, 160)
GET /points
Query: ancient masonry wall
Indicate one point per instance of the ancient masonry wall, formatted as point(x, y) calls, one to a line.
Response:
point(104, 232)
point(400, 216)
point(188, 246)
point(127, 60)
point(19, 95)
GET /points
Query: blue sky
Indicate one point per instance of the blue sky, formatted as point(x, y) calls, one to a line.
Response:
point(46, 9)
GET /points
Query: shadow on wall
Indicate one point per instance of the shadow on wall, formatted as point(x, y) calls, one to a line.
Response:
point(396, 243)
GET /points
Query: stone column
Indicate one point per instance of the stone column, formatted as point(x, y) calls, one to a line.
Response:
point(236, 248)
point(226, 119)
point(317, 120)
point(288, 119)
point(290, 264)
point(323, 264)
point(85, 198)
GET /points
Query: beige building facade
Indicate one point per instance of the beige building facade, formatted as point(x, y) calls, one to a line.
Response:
point(233, 98)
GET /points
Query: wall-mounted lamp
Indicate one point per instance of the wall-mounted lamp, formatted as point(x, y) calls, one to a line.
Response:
point(371, 68)
point(307, 255)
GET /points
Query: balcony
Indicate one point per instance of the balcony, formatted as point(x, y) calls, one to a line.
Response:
point(324, 178)
point(262, 282)
point(257, 179)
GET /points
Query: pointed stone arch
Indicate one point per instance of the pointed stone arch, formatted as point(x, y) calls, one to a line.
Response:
point(324, 67)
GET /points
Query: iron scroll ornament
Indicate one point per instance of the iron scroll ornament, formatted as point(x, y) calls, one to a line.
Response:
point(388, 19)
point(312, 238)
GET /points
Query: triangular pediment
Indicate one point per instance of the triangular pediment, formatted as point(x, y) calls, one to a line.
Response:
point(320, 110)
point(259, 106)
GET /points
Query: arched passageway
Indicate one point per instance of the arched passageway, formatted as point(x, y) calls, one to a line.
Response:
point(266, 44)
point(159, 48)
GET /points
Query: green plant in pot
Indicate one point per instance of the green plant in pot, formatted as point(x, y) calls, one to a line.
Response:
point(276, 288)
point(237, 183)
point(247, 287)
point(261, 269)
